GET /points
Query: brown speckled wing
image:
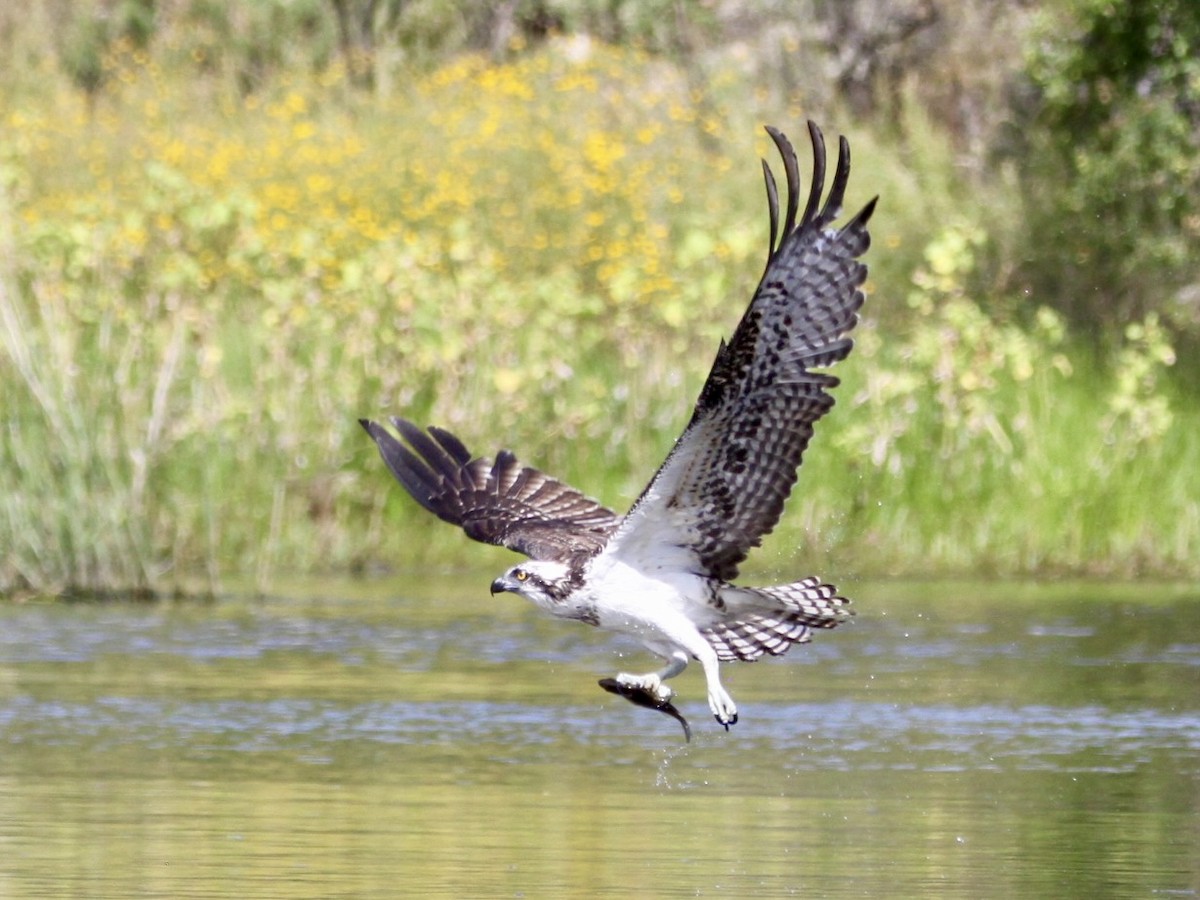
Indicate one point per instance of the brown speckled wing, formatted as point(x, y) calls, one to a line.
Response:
point(725, 482)
point(497, 502)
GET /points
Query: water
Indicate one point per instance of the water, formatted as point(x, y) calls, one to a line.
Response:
point(384, 740)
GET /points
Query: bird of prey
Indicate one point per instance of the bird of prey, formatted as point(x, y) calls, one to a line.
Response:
point(663, 572)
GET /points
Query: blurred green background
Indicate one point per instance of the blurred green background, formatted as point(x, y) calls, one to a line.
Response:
point(228, 230)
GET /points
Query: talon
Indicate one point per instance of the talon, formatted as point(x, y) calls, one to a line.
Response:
point(651, 685)
point(722, 706)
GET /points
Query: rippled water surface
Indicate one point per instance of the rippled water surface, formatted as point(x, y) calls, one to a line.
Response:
point(381, 739)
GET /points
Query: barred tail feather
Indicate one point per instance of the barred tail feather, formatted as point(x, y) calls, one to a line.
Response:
point(771, 619)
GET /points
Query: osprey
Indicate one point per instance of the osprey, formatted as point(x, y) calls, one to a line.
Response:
point(663, 572)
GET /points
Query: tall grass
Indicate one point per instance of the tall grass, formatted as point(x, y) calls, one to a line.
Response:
point(200, 294)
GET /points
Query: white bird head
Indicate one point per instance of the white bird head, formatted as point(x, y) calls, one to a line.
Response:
point(542, 581)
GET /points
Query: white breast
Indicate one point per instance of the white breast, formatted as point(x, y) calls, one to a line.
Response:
point(663, 610)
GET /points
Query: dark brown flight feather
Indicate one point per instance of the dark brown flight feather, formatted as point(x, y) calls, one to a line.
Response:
point(725, 482)
point(500, 502)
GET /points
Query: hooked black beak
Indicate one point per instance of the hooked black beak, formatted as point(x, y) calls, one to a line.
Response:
point(499, 586)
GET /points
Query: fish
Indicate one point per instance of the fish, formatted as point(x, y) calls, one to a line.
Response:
point(641, 697)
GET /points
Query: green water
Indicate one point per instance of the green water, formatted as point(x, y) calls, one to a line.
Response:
point(376, 740)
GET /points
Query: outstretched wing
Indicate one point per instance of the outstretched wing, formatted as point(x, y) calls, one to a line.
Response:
point(499, 502)
point(724, 484)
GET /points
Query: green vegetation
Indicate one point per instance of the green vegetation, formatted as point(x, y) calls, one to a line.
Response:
point(1116, 148)
point(216, 254)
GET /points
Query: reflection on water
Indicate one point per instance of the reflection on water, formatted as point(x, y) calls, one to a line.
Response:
point(970, 741)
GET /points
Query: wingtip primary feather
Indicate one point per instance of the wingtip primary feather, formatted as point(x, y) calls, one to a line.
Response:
point(791, 169)
point(498, 502)
point(772, 209)
point(451, 444)
point(780, 231)
point(837, 191)
point(372, 428)
point(864, 214)
point(413, 473)
point(817, 187)
point(430, 449)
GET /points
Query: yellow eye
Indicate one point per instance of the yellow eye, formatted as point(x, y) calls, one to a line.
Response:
point(521, 575)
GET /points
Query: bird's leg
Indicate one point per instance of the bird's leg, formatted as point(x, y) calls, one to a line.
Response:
point(652, 682)
point(722, 705)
